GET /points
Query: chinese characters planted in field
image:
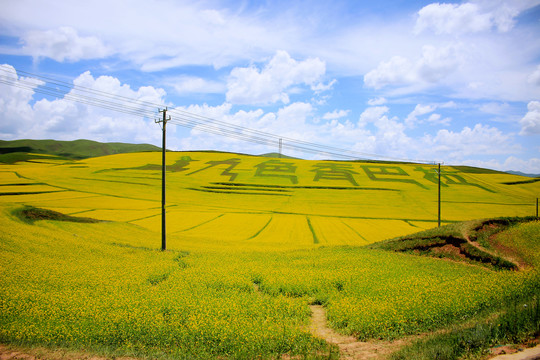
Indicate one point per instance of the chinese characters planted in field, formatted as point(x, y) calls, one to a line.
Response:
point(277, 168)
point(447, 178)
point(331, 171)
point(339, 173)
point(227, 172)
point(388, 173)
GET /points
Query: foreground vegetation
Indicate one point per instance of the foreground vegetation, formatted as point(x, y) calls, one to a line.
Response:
point(99, 286)
point(242, 266)
point(519, 324)
point(516, 321)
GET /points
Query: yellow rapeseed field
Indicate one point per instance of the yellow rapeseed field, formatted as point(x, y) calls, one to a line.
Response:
point(252, 241)
point(330, 202)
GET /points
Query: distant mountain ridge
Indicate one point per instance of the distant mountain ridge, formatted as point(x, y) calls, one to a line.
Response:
point(523, 174)
point(17, 150)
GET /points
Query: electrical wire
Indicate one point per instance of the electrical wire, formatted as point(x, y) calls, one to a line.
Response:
point(67, 85)
point(145, 109)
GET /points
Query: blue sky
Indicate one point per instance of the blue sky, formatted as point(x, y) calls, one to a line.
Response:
point(457, 82)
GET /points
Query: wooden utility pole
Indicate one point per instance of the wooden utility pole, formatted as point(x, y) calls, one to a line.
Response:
point(439, 202)
point(280, 146)
point(163, 171)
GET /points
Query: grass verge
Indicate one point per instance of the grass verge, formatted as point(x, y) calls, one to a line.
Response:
point(458, 242)
point(518, 324)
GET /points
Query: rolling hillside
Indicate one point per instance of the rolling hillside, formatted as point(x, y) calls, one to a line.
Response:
point(252, 243)
point(251, 200)
point(20, 150)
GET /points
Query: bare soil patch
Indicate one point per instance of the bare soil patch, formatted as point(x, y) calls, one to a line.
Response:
point(449, 249)
point(511, 353)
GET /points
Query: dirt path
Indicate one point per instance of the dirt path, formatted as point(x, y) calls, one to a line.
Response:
point(517, 262)
point(15, 353)
point(527, 354)
point(352, 349)
point(349, 346)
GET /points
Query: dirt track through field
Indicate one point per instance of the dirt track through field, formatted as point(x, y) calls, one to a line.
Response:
point(352, 349)
point(349, 346)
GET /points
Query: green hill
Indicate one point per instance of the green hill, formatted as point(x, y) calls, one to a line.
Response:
point(21, 150)
point(278, 155)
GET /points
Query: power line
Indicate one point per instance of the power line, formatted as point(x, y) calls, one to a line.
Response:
point(272, 139)
point(118, 103)
point(83, 88)
point(83, 95)
point(83, 99)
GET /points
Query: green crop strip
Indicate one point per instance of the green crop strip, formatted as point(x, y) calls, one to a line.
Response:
point(261, 229)
point(353, 230)
point(236, 192)
point(115, 181)
point(246, 188)
point(30, 192)
point(203, 223)
point(315, 239)
point(305, 187)
point(23, 184)
point(521, 182)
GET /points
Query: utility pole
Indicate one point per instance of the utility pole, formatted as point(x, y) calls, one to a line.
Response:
point(280, 147)
point(439, 196)
point(163, 171)
point(439, 211)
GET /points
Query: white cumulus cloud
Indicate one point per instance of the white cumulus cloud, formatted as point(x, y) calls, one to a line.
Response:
point(479, 140)
point(398, 70)
point(16, 113)
point(534, 78)
point(377, 101)
point(63, 44)
point(336, 114)
point(63, 119)
point(372, 114)
point(465, 18)
point(435, 64)
point(530, 123)
point(271, 84)
point(419, 110)
point(413, 118)
point(193, 85)
point(388, 136)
